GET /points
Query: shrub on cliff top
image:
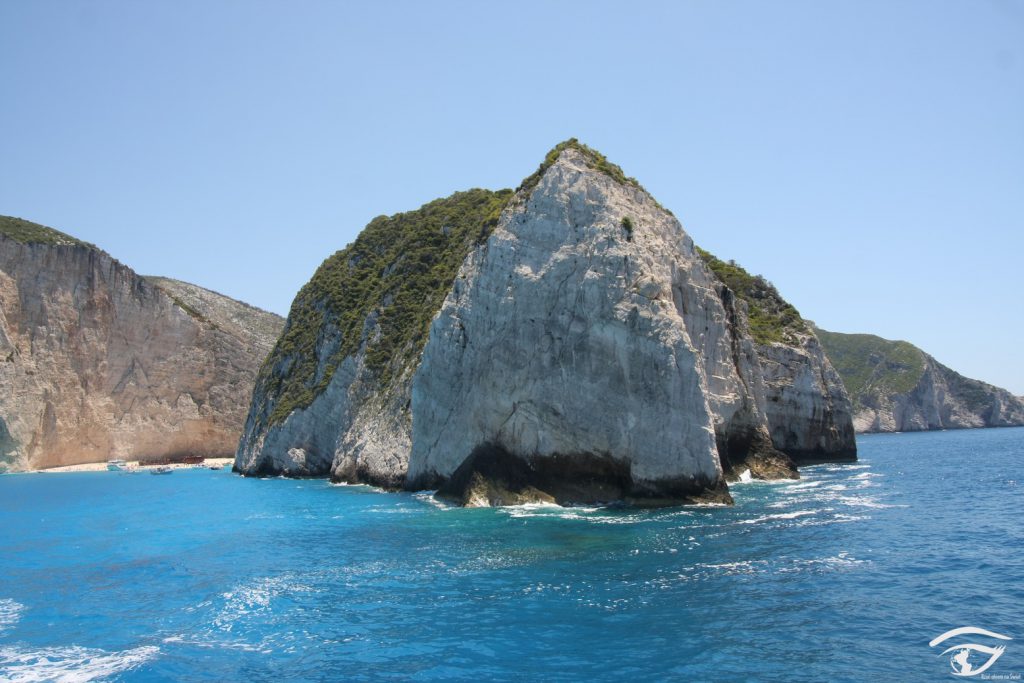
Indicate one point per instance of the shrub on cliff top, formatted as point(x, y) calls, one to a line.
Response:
point(27, 232)
point(596, 160)
point(397, 273)
point(772, 319)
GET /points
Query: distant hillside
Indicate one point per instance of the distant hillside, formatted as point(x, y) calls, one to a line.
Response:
point(27, 232)
point(97, 362)
point(897, 387)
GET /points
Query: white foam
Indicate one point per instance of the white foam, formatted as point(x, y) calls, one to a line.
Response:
point(429, 497)
point(802, 486)
point(255, 597)
point(10, 613)
point(365, 487)
point(747, 478)
point(733, 567)
point(526, 507)
point(866, 502)
point(840, 561)
point(211, 642)
point(575, 513)
point(71, 664)
point(782, 515)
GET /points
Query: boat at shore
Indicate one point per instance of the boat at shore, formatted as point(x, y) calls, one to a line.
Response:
point(163, 469)
point(117, 465)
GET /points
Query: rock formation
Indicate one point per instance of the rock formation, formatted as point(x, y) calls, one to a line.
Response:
point(564, 342)
point(809, 412)
point(97, 362)
point(897, 387)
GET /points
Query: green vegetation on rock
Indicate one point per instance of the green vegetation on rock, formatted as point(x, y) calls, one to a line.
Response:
point(975, 394)
point(627, 225)
point(27, 232)
point(597, 161)
point(872, 365)
point(196, 315)
point(381, 291)
point(772, 319)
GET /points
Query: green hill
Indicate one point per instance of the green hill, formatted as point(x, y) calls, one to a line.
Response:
point(871, 365)
point(27, 232)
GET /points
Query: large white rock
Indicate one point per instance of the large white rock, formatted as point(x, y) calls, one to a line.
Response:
point(809, 413)
point(564, 335)
point(576, 356)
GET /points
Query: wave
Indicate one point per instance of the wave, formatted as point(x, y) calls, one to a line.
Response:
point(10, 613)
point(255, 597)
point(747, 478)
point(70, 664)
point(867, 502)
point(782, 515)
point(358, 486)
point(833, 562)
point(793, 488)
point(429, 498)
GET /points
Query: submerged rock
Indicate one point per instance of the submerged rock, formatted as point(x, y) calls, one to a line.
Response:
point(97, 362)
point(570, 344)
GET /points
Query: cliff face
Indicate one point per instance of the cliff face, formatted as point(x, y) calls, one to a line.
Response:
point(897, 387)
point(579, 350)
point(334, 396)
point(97, 362)
point(810, 415)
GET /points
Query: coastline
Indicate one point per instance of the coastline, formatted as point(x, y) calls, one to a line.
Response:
point(133, 466)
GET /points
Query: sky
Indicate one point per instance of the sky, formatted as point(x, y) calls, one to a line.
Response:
point(866, 156)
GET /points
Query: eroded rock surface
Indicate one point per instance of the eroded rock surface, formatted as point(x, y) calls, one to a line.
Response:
point(97, 362)
point(582, 351)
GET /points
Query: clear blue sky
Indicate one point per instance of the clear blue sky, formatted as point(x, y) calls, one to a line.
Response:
point(866, 156)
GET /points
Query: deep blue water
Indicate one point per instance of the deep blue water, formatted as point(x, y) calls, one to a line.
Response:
point(845, 575)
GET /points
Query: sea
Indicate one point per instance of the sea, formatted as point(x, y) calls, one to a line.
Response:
point(849, 574)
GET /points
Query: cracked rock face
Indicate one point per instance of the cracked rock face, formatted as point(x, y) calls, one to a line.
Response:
point(563, 336)
point(809, 413)
point(97, 362)
point(584, 352)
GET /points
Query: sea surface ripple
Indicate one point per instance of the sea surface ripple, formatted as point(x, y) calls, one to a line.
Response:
point(844, 575)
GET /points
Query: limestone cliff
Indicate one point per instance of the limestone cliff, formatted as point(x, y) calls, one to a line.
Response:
point(809, 413)
point(97, 362)
point(568, 344)
point(897, 387)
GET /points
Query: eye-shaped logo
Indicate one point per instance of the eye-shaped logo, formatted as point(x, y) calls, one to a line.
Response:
point(960, 660)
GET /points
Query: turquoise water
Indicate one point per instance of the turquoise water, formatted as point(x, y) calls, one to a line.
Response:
point(845, 575)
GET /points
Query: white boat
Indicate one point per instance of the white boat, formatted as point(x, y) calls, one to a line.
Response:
point(163, 469)
point(116, 465)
